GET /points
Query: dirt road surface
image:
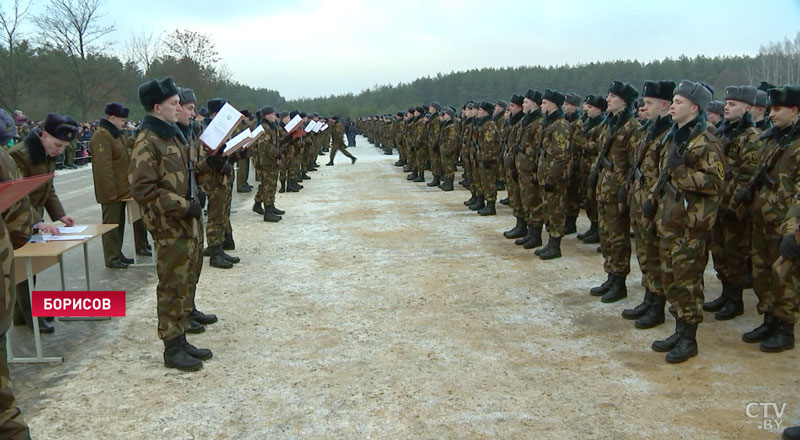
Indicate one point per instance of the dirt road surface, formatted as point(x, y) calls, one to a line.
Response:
point(383, 309)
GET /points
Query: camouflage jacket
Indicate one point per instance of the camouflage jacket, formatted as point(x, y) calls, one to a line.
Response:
point(418, 133)
point(488, 141)
point(553, 167)
point(616, 165)
point(338, 135)
point(739, 141)
point(20, 217)
point(267, 151)
point(587, 137)
point(528, 135)
point(110, 161)
point(690, 198)
point(159, 179)
point(509, 139)
point(646, 162)
point(466, 136)
point(32, 160)
point(433, 133)
point(448, 138)
point(776, 192)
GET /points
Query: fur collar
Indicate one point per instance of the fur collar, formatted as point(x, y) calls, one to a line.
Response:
point(552, 117)
point(33, 143)
point(514, 119)
point(681, 135)
point(532, 116)
point(162, 129)
point(658, 127)
point(105, 123)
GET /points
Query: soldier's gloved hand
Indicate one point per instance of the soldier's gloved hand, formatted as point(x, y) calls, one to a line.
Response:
point(674, 161)
point(549, 187)
point(743, 196)
point(790, 250)
point(649, 208)
point(195, 210)
point(593, 178)
point(216, 161)
point(201, 198)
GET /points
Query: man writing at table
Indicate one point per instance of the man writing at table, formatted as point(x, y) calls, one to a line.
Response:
point(36, 155)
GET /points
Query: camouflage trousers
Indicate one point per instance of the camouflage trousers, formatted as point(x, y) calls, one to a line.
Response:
point(730, 247)
point(589, 202)
point(436, 160)
point(309, 156)
point(576, 189)
point(614, 229)
point(449, 165)
point(764, 251)
point(242, 172)
point(196, 262)
point(286, 167)
point(684, 256)
point(787, 303)
point(267, 186)
point(475, 183)
point(295, 162)
point(512, 185)
point(530, 196)
point(647, 252)
point(177, 281)
point(554, 205)
point(489, 172)
point(219, 196)
point(12, 426)
point(421, 153)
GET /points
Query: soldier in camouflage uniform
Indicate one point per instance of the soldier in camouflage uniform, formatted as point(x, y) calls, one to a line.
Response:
point(771, 198)
point(500, 116)
point(488, 155)
point(159, 179)
point(573, 116)
point(587, 148)
point(512, 177)
point(525, 160)
point(415, 137)
point(618, 140)
point(432, 140)
point(466, 159)
point(448, 147)
point(759, 110)
point(657, 98)
point(243, 164)
point(552, 170)
point(268, 163)
point(337, 135)
point(730, 242)
point(684, 204)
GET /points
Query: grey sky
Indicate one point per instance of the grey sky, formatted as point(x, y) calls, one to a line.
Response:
point(312, 48)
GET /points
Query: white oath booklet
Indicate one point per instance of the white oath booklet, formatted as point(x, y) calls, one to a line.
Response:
point(221, 127)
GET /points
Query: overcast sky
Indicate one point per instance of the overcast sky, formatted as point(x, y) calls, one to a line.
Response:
point(312, 48)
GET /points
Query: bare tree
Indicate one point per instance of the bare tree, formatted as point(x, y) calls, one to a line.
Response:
point(193, 45)
point(143, 49)
point(12, 59)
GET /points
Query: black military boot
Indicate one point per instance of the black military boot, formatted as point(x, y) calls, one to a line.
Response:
point(208, 251)
point(232, 259)
point(435, 182)
point(406, 168)
point(202, 354)
point(478, 205)
point(734, 306)
point(195, 327)
point(524, 239)
point(687, 345)
point(275, 210)
point(420, 176)
point(641, 309)
point(488, 209)
point(535, 238)
point(665, 345)
point(447, 185)
point(464, 182)
point(569, 225)
point(617, 291)
point(228, 244)
point(655, 313)
point(305, 176)
point(504, 201)
point(592, 236)
point(412, 176)
point(718, 303)
point(791, 433)
point(603, 288)
point(293, 186)
point(270, 216)
point(257, 208)
point(175, 356)
point(203, 318)
point(539, 251)
point(763, 331)
point(553, 249)
point(471, 200)
point(283, 187)
point(519, 230)
point(782, 338)
point(218, 260)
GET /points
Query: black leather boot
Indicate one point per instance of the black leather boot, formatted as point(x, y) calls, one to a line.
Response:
point(535, 238)
point(553, 249)
point(435, 182)
point(420, 176)
point(412, 176)
point(447, 185)
point(283, 187)
point(655, 313)
point(228, 244)
point(641, 309)
point(478, 205)
point(734, 306)
point(218, 260)
point(522, 240)
point(602, 288)
point(202, 354)
point(519, 230)
point(232, 259)
point(175, 356)
point(407, 168)
point(717, 304)
point(763, 331)
point(292, 186)
point(665, 345)
point(488, 209)
point(257, 208)
point(781, 339)
point(686, 347)
point(270, 216)
point(617, 291)
point(195, 327)
point(569, 225)
point(539, 251)
point(592, 236)
point(791, 433)
point(275, 210)
point(504, 201)
point(471, 200)
point(203, 318)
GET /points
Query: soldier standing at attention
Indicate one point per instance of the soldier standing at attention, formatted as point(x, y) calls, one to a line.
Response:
point(573, 116)
point(488, 155)
point(759, 110)
point(268, 165)
point(434, 155)
point(243, 164)
point(448, 146)
point(525, 160)
point(684, 203)
point(159, 178)
point(617, 143)
point(594, 107)
point(510, 147)
point(552, 172)
point(110, 161)
point(337, 141)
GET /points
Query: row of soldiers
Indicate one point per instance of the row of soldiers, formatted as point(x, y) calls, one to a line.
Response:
point(684, 185)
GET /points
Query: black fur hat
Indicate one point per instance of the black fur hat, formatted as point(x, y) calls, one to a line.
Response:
point(573, 98)
point(534, 96)
point(436, 105)
point(517, 99)
point(117, 109)
point(187, 96)
point(156, 91)
point(745, 94)
point(784, 96)
point(61, 127)
point(598, 101)
point(283, 114)
point(554, 96)
point(267, 109)
point(214, 105)
point(764, 86)
point(501, 103)
point(203, 112)
point(761, 98)
point(627, 92)
point(658, 89)
point(246, 113)
point(488, 106)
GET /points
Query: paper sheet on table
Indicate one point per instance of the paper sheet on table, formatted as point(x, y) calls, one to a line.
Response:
point(48, 237)
point(72, 229)
point(13, 190)
point(293, 123)
point(221, 127)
